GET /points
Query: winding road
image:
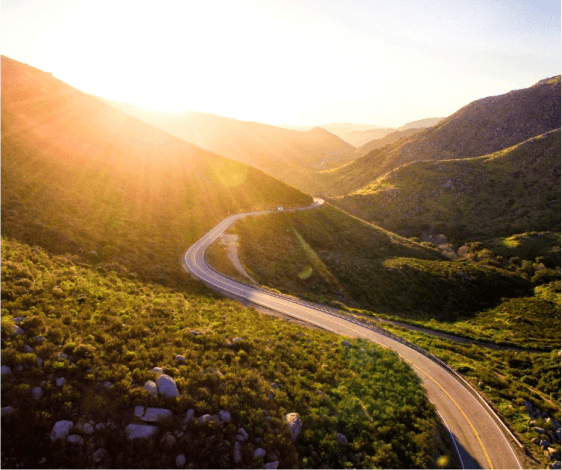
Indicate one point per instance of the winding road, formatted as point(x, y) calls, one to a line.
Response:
point(480, 439)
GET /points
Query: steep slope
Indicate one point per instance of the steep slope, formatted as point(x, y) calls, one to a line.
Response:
point(511, 191)
point(480, 128)
point(358, 138)
point(289, 155)
point(427, 122)
point(79, 176)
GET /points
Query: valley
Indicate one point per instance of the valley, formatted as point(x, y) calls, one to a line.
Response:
point(451, 224)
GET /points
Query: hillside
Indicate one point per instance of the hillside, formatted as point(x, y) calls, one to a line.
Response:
point(511, 191)
point(358, 138)
point(289, 155)
point(420, 123)
point(480, 128)
point(81, 177)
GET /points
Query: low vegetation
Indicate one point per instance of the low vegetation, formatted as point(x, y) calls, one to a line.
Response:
point(113, 328)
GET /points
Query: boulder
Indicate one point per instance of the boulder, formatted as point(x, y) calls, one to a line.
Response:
point(228, 344)
point(60, 382)
point(196, 333)
point(189, 415)
point(140, 431)
point(341, 438)
point(6, 370)
point(100, 455)
point(39, 362)
point(536, 441)
point(75, 439)
point(88, 429)
point(274, 386)
point(167, 386)
point(294, 424)
point(538, 430)
point(224, 416)
point(19, 319)
point(16, 330)
point(37, 392)
point(272, 465)
point(553, 453)
point(529, 409)
point(39, 339)
point(259, 452)
point(180, 460)
point(61, 430)
point(100, 427)
point(544, 443)
point(139, 411)
point(156, 415)
point(180, 359)
point(151, 387)
point(207, 418)
point(236, 340)
point(237, 453)
point(7, 410)
point(168, 441)
point(158, 370)
point(27, 348)
point(555, 464)
point(558, 434)
point(347, 344)
point(242, 435)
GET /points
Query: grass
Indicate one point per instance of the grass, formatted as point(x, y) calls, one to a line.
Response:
point(115, 328)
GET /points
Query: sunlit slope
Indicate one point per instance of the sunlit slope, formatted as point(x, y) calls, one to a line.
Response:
point(287, 154)
point(480, 128)
point(328, 255)
point(80, 176)
point(512, 191)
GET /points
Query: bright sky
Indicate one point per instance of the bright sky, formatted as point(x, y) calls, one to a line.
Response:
point(298, 62)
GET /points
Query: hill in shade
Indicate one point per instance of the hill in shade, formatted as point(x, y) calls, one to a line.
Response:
point(384, 141)
point(512, 191)
point(287, 154)
point(480, 128)
point(78, 176)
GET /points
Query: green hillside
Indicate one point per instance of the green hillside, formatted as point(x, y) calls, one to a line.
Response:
point(103, 332)
point(512, 191)
point(79, 176)
point(480, 128)
point(329, 256)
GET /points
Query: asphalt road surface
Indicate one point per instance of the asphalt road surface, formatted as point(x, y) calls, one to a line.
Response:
point(479, 439)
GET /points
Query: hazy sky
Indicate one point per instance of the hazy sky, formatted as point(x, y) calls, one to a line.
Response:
point(384, 62)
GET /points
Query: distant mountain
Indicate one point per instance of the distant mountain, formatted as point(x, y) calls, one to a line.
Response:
point(480, 128)
point(80, 176)
point(428, 122)
point(358, 138)
point(384, 141)
point(510, 191)
point(287, 154)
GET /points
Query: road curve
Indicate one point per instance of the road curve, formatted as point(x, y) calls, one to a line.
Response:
point(479, 439)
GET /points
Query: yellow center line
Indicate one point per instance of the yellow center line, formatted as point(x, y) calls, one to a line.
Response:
point(462, 412)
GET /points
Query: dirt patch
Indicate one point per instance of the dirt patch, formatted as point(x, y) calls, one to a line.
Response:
point(230, 241)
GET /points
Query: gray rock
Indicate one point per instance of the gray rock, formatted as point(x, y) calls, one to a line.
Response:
point(347, 344)
point(100, 455)
point(554, 454)
point(100, 427)
point(242, 435)
point(237, 453)
point(196, 333)
point(538, 430)
point(294, 424)
point(180, 460)
point(207, 418)
point(555, 464)
point(39, 339)
point(168, 441)
point(180, 359)
point(61, 430)
point(156, 415)
point(167, 386)
point(151, 387)
point(16, 330)
point(37, 392)
point(544, 443)
point(536, 441)
point(274, 386)
point(237, 340)
point(107, 384)
point(39, 362)
point(259, 452)
point(27, 348)
point(75, 439)
point(189, 415)
point(224, 416)
point(139, 411)
point(88, 429)
point(272, 465)
point(6, 370)
point(140, 431)
point(341, 438)
point(158, 370)
point(60, 382)
point(19, 319)
point(228, 344)
point(7, 410)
